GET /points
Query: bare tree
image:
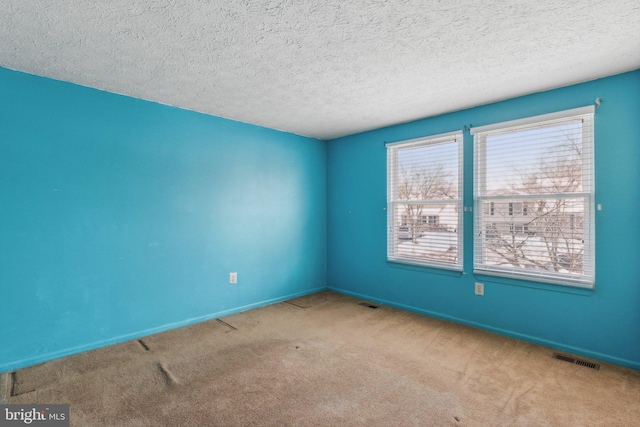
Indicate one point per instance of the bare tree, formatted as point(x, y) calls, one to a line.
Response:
point(431, 183)
point(556, 223)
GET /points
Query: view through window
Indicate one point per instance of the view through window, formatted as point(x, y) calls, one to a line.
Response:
point(425, 201)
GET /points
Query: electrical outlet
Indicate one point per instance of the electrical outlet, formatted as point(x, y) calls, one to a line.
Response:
point(479, 289)
point(233, 278)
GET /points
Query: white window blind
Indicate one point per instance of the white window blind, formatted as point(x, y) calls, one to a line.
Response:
point(424, 201)
point(534, 198)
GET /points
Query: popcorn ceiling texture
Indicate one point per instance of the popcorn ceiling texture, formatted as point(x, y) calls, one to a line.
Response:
point(321, 68)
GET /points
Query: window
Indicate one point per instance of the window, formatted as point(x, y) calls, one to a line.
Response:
point(424, 201)
point(535, 176)
point(519, 228)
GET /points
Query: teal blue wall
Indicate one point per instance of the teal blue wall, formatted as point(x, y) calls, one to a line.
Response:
point(121, 217)
point(604, 323)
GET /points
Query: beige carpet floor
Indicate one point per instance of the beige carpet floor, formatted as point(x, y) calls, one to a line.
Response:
point(325, 360)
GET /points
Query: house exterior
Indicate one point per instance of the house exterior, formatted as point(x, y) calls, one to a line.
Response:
point(527, 217)
point(416, 220)
point(432, 217)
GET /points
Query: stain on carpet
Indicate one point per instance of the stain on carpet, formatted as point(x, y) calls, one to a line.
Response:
point(312, 300)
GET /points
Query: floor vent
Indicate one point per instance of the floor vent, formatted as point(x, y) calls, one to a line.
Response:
point(369, 305)
point(575, 361)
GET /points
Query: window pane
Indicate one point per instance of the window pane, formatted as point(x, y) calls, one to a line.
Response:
point(427, 232)
point(550, 239)
point(428, 172)
point(424, 202)
point(540, 160)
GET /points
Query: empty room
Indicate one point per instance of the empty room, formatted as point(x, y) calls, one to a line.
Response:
point(301, 213)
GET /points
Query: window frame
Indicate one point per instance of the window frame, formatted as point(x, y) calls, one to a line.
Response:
point(393, 201)
point(586, 280)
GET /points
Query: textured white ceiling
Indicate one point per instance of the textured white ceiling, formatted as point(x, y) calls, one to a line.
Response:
point(321, 68)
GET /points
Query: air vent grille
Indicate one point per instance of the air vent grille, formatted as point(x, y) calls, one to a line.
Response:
point(576, 361)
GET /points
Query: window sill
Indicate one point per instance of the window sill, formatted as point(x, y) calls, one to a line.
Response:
point(453, 271)
point(501, 280)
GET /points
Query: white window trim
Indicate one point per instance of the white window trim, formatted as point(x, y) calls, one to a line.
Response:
point(558, 115)
point(392, 199)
